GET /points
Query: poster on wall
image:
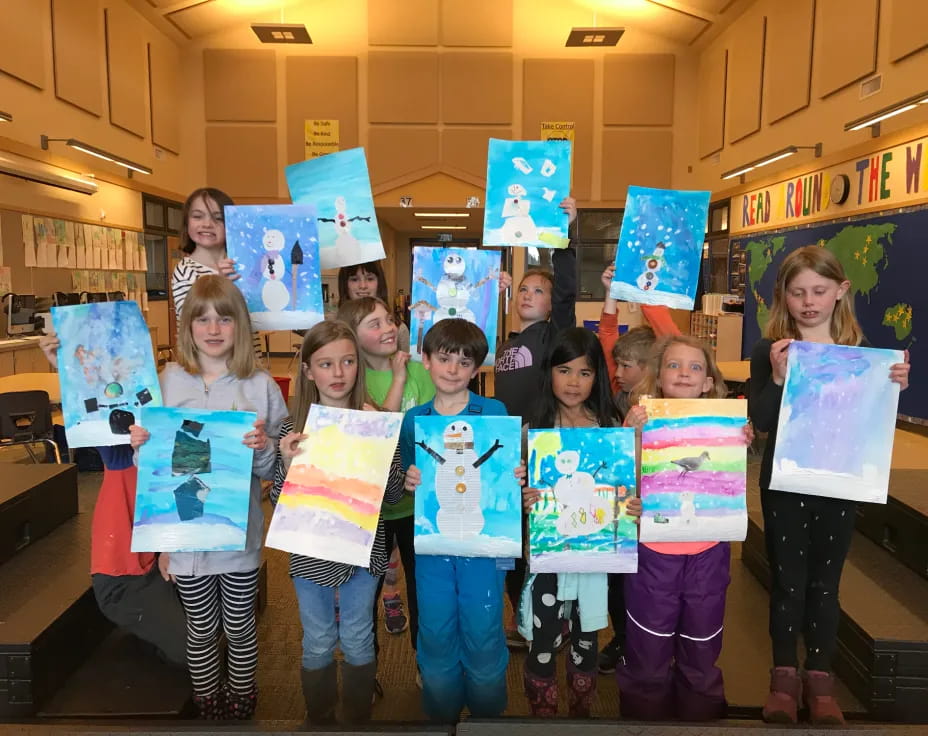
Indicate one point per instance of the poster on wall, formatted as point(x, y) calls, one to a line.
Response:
point(321, 137)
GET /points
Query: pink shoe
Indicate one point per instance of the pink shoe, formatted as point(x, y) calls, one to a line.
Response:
point(818, 694)
point(783, 700)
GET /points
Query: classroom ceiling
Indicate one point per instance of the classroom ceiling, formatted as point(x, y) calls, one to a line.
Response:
point(679, 21)
point(405, 220)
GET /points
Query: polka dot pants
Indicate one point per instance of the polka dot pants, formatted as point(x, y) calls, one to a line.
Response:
point(548, 631)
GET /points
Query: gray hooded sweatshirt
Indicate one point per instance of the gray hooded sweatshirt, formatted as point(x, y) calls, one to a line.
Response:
point(259, 394)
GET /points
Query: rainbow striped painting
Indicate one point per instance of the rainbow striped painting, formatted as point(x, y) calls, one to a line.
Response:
point(693, 464)
point(330, 502)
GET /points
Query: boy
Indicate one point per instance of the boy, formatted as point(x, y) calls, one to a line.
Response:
point(462, 653)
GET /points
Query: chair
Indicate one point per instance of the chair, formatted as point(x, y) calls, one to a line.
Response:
point(26, 418)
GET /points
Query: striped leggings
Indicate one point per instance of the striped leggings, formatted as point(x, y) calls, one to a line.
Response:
point(230, 595)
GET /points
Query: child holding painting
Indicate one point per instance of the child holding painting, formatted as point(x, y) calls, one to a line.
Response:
point(574, 393)
point(462, 651)
point(807, 536)
point(216, 369)
point(332, 374)
point(675, 603)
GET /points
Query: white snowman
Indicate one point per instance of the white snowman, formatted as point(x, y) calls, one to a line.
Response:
point(518, 225)
point(647, 281)
point(274, 293)
point(687, 507)
point(457, 481)
point(347, 246)
point(452, 291)
point(582, 511)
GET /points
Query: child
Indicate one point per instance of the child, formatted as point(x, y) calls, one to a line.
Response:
point(216, 369)
point(807, 536)
point(462, 652)
point(367, 279)
point(332, 375)
point(574, 393)
point(675, 603)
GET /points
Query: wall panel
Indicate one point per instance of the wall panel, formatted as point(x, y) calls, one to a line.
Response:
point(402, 87)
point(240, 85)
point(77, 42)
point(125, 69)
point(845, 42)
point(23, 27)
point(465, 149)
point(476, 87)
point(164, 82)
point(713, 70)
point(746, 80)
point(638, 89)
point(908, 27)
point(476, 22)
point(393, 152)
point(402, 23)
point(639, 157)
point(241, 160)
point(788, 66)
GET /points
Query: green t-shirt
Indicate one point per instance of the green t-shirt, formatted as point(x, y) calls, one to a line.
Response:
point(417, 390)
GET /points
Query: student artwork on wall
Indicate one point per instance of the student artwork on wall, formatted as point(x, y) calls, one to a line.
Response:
point(194, 484)
point(330, 502)
point(847, 390)
point(526, 181)
point(586, 477)
point(469, 502)
point(276, 252)
point(454, 283)
point(106, 369)
point(660, 247)
point(339, 187)
point(693, 464)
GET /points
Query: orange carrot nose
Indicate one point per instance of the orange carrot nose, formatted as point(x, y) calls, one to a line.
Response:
point(454, 436)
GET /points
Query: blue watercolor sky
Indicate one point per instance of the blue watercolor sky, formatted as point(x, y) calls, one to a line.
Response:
point(503, 173)
point(615, 447)
point(501, 495)
point(678, 220)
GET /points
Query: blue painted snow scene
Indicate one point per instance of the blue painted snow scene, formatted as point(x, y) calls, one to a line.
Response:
point(106, 369)
point(454, 283)
point(586, 478)
point(339, 187)
point(194, 482)
point(526, 181)
point(469, 502)
point(276, 252)
point(660, 247)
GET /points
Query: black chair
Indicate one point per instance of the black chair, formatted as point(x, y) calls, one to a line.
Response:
point(26, 418)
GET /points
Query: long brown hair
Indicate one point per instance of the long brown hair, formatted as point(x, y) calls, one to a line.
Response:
point(318, 337)
point(650, 384)
point(221, 294)
point(206, 193)
point(844, 327)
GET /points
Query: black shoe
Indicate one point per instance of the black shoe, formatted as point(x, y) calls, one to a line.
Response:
point(609, 657)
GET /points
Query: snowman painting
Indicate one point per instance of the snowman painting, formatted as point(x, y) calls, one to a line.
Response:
point(687, 507)
point(582, 511)
point(453, 291)
point(518, 225)
point(457, 481)
point(347, 246)
point(648, 280)
point(274, 292)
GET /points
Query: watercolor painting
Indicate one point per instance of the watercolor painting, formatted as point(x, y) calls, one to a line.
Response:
point(469, 502)
point(693, 465)
point(194, 487)
point(454, 283)
point(846, 389)
point(339, 187)
point(106, 369)
point(660, 247)
point(526, 181)
point(586, 477)
point(276, 251)
point(330, 502)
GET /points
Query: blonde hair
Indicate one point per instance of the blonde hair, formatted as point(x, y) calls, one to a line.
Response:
point(223, 296)
point(650, 384)
point(306, 391)
point(354, 311)
point(844, 327)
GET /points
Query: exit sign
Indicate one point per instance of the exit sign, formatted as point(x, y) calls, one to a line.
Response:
point(445, 237)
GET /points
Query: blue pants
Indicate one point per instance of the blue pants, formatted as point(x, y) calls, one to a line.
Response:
point(462, 652)
point(321, 632)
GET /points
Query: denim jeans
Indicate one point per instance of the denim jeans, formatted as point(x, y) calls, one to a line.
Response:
point(321, 632)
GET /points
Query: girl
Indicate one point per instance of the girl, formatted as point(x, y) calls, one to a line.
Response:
point(574, 393)
point(216, 369)
point(367, 279)
point(807, 537)
point(675, 603)
point(332, 375)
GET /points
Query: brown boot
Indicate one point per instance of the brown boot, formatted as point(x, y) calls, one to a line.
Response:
point(783, 700)
point(541, 693)
point(818, 694)
point(581, 689)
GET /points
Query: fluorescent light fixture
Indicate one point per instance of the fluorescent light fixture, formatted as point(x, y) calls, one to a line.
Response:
point(281, 32)
point(29, 170)
point(442, 214)
point(873, 119)
point(98, 152)
point(769, 159)
point(443, 227)
point(594, 36)
point(5, 117)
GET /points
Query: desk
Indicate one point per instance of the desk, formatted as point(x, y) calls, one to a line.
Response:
point(735, 371)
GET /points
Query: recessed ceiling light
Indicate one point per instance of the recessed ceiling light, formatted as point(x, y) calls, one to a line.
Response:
point(442, 214)
point(443, 227)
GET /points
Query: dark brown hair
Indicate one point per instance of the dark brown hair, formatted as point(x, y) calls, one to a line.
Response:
point(218, 196)
point(372, 267)
point(456, 336)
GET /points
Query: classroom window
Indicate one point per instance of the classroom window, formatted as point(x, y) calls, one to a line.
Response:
point(162, 222)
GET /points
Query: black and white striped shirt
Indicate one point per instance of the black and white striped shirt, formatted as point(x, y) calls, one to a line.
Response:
point(325, 572)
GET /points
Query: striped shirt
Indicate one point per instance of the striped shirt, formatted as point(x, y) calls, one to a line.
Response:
point(325, 572)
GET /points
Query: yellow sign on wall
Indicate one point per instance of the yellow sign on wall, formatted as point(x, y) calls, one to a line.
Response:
point(321, 137)
point(557, 131)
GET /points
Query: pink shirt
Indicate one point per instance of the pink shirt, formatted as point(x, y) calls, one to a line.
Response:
point(679, 548)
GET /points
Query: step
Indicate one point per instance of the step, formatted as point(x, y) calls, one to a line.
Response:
point(883, 632)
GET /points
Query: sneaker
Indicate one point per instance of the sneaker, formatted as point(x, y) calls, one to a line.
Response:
point(395, 619)
point(609, 657)
point(515, 640)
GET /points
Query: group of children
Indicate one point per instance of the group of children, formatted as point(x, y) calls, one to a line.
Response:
point(667, 617)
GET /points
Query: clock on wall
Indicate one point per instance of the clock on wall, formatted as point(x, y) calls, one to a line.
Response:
point(840, 188)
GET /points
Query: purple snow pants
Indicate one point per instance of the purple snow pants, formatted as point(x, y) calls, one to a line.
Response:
point(675, 605)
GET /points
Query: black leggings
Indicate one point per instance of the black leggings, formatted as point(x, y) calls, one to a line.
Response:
point(547, 631)
point(403, 530)
point(807, 540)
point(616, 603)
